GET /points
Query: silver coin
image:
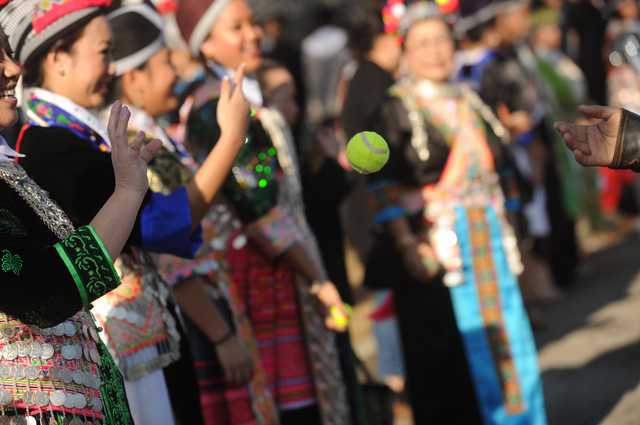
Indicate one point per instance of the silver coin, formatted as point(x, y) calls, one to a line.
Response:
point(10, 352)
point(97, 404)
point(24, 348)
point(76, 421)
point(94, 333)
point(65, 376)
point(81, 401)
point(58, 330)
point(95, 356)
point(33, 373)
point(239, 242)
point(42, 399)
point(5, 398)
point(78, 377)
point(85, 331)
point(5, 372)
point(9, 332)
point(47, 351)
point(68, 352)
point(28, 397)
point(78, 349)
point(70, 329)
point(20, 372)
point(35, 350)
point(31, 420)
point(69, 401)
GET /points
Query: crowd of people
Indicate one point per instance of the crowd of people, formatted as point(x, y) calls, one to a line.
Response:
point(177, 202)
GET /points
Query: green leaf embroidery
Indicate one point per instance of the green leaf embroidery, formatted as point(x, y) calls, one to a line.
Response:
point(11, 262)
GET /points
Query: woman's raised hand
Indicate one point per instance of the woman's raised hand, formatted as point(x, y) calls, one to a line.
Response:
point(129, 160)
point(233, 108)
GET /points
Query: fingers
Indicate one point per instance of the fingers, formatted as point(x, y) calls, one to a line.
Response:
point(575, 136)
point(113, 117)
point(596, 112)
point(225, 88)
point(149, 151)
point(137, 141)
point(239, 76)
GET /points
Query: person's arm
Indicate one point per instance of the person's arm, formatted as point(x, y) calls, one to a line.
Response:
point(45, 285)
point(114, 222)
point(195, 302)
point(233, 118)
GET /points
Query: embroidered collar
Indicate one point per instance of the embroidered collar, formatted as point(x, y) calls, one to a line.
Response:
point(250, 86)
point(7, 154)
point(47, 109)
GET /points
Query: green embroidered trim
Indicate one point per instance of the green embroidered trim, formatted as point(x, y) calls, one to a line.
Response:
point(74, 274)
point(10, 224)
point(89, 263)
point(11, 262)
point(105, 251)
point(114, 399)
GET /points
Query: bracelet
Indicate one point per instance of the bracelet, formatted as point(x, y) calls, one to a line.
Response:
point(230, 334)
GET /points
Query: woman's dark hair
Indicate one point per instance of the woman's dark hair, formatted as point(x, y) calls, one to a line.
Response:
point(475, 34)
point(363, 36)
point(4, 43)
point(33, 69)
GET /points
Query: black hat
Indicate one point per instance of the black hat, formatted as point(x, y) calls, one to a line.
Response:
point(137, 36)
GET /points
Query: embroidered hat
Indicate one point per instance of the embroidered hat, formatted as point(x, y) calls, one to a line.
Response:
point(196, 18)
point(420, 10)
point(33, 24)
point(137, 36)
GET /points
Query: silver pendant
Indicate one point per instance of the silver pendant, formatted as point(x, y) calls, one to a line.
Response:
point(24, 348)
point(78, 377)
point(47, 351)
point(5, 398)
point(33, 373)
point(58, 330)
point(70, 329)
point(58, 397)
point(35, 350)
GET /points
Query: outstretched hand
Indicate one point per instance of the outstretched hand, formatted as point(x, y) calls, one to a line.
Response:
point(233, 108)
point(129, 160)
point(593, 144)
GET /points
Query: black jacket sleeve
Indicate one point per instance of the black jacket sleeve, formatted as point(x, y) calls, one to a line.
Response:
point(78, 177)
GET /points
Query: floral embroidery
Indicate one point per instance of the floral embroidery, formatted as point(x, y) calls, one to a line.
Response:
point(11, 262)
point(89, 264)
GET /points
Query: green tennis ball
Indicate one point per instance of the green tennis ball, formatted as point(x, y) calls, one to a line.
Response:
point(367, 152)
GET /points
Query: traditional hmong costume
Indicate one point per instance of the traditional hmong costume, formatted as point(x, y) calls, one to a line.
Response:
point(468, 346)
point(74, 166)
point(509, 76)
point(172, 168)
point(296, 351)
point(53, 366)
